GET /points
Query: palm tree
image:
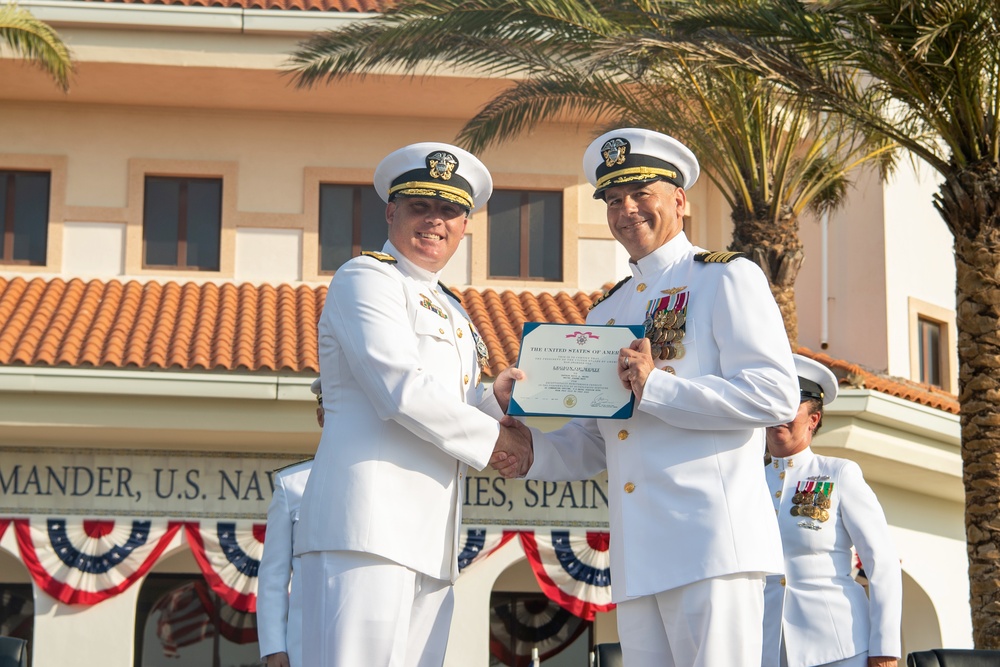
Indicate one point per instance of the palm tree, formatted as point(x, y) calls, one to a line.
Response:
point(770, 154)
point(34, 40)
point(931, 81)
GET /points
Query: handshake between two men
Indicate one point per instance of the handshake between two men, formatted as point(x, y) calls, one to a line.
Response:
point(513, 453)
point(514, 450)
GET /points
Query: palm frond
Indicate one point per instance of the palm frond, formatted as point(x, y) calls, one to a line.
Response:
point(932, 69)
point(35, 41)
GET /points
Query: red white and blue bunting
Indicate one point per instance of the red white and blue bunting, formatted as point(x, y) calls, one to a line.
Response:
point(520, 625)
point(85, 561)
point(572, 568)
point(228, 554)
point(475, 544)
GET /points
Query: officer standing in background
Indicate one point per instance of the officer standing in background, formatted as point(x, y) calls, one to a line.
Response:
point(817, 614)
point(406, 413)
point(692, 529)
point(279, 607)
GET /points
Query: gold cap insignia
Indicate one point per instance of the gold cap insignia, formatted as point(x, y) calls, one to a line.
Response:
point(442, 165)
point(614, 151)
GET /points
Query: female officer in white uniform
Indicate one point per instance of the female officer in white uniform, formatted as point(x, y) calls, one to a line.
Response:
point(816, 614)
point(279, 588)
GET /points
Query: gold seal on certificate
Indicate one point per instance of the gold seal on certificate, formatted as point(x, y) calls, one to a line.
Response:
point(572, 371)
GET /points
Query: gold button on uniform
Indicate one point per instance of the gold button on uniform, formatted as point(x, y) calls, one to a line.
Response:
point(669, 369)
point(441, 330)
point(629, 487)
point(466, 379)
point(459, 333)
point(622, 434)
point(611, 321)
point(781, 475)
point(641, 287)
point(777, 494)
point(782, 581)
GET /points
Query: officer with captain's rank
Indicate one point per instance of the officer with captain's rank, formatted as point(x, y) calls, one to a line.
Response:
point(816, 613)
point(692, 532)
point(406, 413)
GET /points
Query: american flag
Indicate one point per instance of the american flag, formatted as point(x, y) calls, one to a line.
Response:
point(185, 617)
point(16, 614)
point(189, 614)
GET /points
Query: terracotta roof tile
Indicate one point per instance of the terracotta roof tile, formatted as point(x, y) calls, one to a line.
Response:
point(357, 6)
point(158, 325)
point(264, 328)
point(853, 375)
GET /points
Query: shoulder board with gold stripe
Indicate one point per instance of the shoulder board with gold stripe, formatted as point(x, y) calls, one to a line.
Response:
point(447, 291)
point(717, 257)
point(610, 291)
point(380, 256)
point(291, 465)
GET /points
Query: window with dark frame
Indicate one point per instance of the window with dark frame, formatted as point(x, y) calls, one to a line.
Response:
point(526, 235)
point(351, 219)
point(930, 338)
point(24, 216)
point(182, 223)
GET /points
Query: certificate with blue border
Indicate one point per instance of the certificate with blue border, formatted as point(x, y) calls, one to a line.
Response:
point(572, 371)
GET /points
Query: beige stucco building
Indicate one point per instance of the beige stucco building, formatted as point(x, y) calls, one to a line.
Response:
point(177, 377)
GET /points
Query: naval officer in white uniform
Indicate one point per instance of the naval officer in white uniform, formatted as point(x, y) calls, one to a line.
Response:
point(406, 413)
point(279, 590)
point(691, 535)
point(816, 613)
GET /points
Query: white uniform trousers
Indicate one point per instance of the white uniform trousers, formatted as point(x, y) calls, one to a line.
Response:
point(859, 660)
point(707, 623)
point(361, 609)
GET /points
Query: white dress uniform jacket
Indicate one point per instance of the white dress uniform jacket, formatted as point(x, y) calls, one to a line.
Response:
point(822, 611)
point(279, 614)
point(686, 497)
point(404, 419)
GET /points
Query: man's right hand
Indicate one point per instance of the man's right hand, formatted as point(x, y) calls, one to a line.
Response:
point(277, 660)
point(513, 453)
point(504, 385)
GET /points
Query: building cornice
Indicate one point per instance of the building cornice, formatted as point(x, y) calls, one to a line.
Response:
point(70, 13)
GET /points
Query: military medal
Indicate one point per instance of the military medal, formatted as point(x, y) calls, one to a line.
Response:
point(482, 352)
point(664, 324)
point(812, 500)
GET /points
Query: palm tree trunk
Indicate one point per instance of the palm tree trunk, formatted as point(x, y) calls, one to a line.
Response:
point(969, 201)
point(777, 250)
